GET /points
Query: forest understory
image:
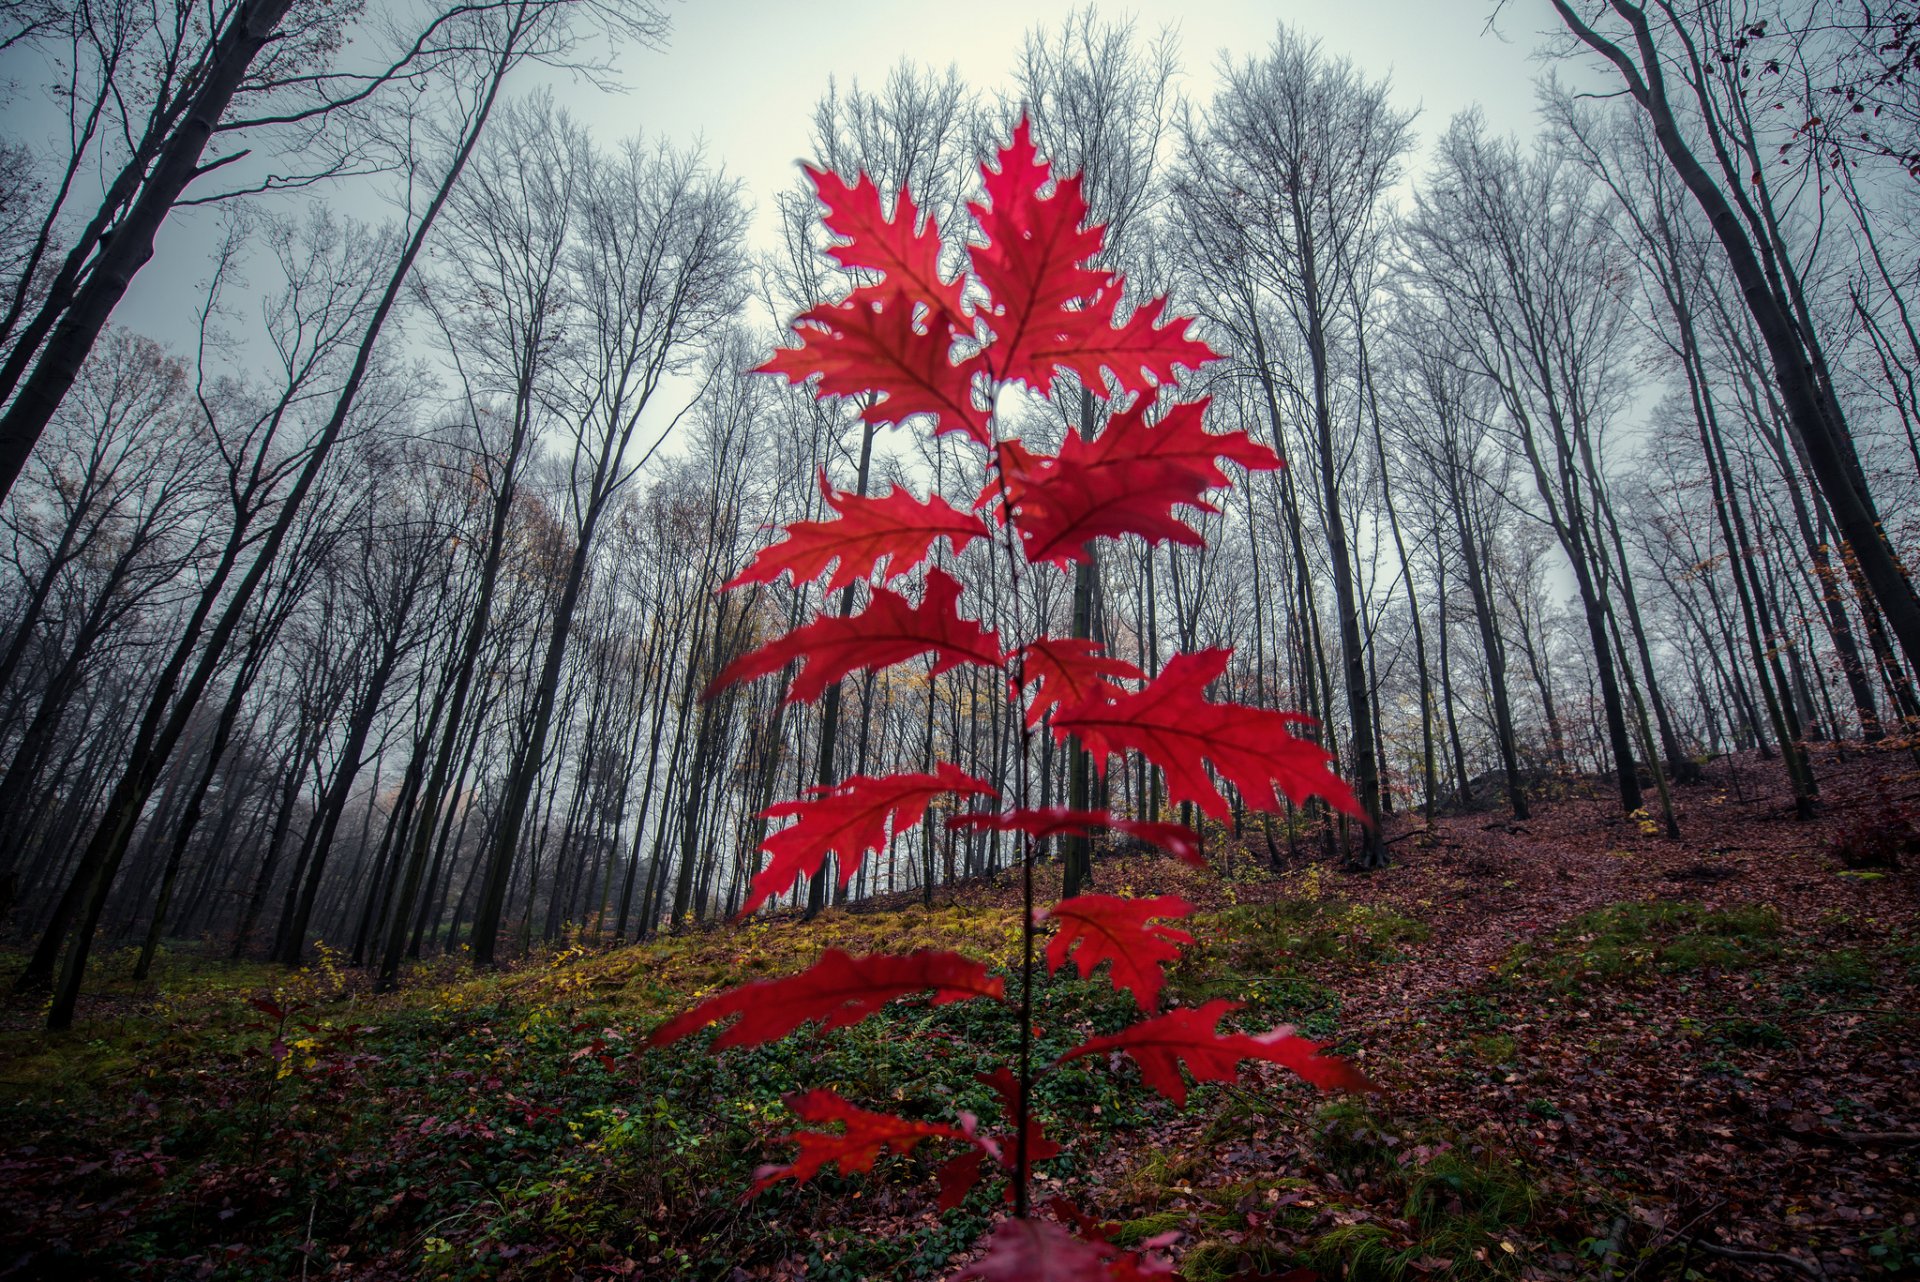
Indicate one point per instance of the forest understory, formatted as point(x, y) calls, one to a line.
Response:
point(1600, 1053)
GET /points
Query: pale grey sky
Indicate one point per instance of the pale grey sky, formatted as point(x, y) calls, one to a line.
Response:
point(743, 75)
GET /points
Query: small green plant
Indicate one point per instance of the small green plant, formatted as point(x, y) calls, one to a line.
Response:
point(1845, 970)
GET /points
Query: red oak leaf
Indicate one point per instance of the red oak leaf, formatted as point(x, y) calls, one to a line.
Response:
point(1042, 1251)
point(865, 1135)
point(1177, 840)
point(1173, 725)
point(849, 820)
point(961, 1173)
point(896, 528)
point(904, 250)
point(1328, 1072)
point(1141, 354)
point(838, 990)
point(1106, 928)
point(888, 631)
point(1158, 1046)
point(1033, 260)
point(957, 1176)
point(1134, 1266)
point(1070, 670)
point(1007, 1087)
point(1128, 480)
point(871, 344)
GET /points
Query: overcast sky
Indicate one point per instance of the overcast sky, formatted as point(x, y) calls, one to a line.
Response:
point(743, 75)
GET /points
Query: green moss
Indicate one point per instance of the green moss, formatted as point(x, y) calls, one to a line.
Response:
point(1846, 970)
point(1495, 1048)
point(1133, 1232)
point(1648, 937)
point(1454, 1191)
point(1754, 1033)
point(1219, 1261)
point(1290, 933)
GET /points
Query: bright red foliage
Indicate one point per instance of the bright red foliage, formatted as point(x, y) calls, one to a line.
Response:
point(1042, 1251)
point(1177, 840)
point(1140, 353)
point(1106, 928)
point(959, 1174)
point(1039, 1147)
point(1128, 480)
point(1068, 670)
point(872, 343)
point(888, 631)
point(896, 528)
point(1188, 1033)
point(901, 248)
point(1050, 309)
point(849, 820)
point(838, 990)
point(910, 343)
point(1172, 723)
point(855, 1148)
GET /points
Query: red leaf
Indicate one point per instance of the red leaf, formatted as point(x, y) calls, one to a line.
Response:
point(888, 631)
point(1158, 1046)
point(1007, 1087)
point(855, 1148)
point(1328, 1072)
point(849, 820)
point(1070, 670)
point(1177, 840)
point(1128, 480)
point(1032, 261)
point(958, 1175)
point(1107, 928)
point(906, 252)
point(1038, 1251)
point(870, 344)
point(1171, 722)
point(1141, 353)
point(896, 528)
point(838, 990)
point(1042, 1251)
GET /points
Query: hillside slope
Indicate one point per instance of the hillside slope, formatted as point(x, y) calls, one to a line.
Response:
point(1602, 1054)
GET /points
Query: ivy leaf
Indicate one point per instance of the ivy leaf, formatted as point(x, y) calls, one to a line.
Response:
point(901, 248)
point(1107, 928)
point(1176, 839)
point(1189, 1033)
point(888, 631)
point(849, 820)
point(1069, 670)
point(1173, 725)
point(854, 1149)
point(870, 344)
point(1128, 480)
point(838, 990)
point(896, 528)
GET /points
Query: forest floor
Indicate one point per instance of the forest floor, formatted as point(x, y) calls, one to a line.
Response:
point(1602, 1054)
